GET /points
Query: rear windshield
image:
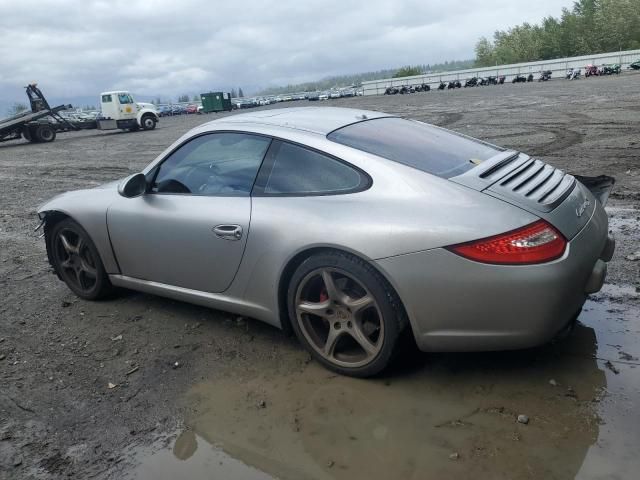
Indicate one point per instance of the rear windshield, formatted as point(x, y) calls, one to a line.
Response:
point(416, 144)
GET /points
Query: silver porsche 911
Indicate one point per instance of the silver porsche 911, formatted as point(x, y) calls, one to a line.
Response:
point(352, 228)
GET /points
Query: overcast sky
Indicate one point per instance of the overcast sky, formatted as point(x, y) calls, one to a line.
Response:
point(157, 47)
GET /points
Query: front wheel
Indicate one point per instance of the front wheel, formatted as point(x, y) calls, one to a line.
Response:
point(77, 262)
point(148, 122)
point(345, 314)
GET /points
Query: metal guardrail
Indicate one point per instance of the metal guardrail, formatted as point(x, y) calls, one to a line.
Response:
point(558, 66)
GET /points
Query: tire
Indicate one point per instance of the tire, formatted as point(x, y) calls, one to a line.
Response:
point(45, 133)
point(148, 122)
point(77, 261)
point(357, 320)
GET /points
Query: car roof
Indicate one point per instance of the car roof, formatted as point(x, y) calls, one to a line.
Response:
point(321, 120)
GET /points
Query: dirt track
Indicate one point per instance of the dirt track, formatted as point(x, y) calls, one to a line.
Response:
point(246, 402)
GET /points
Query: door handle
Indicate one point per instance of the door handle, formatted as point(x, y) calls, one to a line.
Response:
point(228, 232)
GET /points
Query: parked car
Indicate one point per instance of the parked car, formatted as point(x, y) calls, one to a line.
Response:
point(635, 65)
point(243, 103)
point(334, 94)
point(323, 96)
point(313, 96)
point(191, 109)
point(165, 111)
point(178, 110)
point(461, 257)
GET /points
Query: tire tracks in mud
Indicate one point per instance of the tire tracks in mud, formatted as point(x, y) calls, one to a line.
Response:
point(563, 138)
point(442, 119)
point(450, 118)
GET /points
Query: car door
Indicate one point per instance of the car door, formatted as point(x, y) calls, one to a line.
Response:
point(190, 228)
point(126, 106)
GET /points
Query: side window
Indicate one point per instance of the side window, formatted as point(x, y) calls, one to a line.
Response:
point(298, 170)
point(124, 98)
point(106, 98)
point(213, 164)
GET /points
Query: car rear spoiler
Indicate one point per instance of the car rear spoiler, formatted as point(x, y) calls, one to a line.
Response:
point(599, 186)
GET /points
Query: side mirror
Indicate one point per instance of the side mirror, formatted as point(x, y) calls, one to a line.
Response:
point(133, 186)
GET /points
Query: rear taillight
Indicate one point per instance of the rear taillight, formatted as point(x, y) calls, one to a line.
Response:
point(535, 243)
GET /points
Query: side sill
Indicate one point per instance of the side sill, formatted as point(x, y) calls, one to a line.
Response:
point(217, 301)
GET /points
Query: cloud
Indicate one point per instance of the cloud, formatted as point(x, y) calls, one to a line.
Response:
point(162, 47)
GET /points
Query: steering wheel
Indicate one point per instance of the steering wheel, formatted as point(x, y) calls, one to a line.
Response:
point(200, 175)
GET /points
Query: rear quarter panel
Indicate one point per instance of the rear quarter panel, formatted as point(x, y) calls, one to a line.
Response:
point(404, 211)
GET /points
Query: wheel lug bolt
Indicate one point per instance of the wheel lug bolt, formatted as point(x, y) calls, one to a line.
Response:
point(337, 325)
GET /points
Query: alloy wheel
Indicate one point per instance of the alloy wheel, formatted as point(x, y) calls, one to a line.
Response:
point(339, 317)
point(76, 261)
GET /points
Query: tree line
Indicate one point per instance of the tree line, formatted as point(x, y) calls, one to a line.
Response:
point(590, 26)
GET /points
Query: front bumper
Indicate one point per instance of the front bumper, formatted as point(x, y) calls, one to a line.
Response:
point(455, 304)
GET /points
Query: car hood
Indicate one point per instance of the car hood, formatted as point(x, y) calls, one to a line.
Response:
point(113, 185)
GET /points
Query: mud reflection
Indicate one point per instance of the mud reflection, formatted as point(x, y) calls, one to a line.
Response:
point(191, 458)
point(440, 416)
point(454, 416)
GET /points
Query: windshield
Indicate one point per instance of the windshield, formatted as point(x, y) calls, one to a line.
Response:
point(124, 98)
point(419, 145)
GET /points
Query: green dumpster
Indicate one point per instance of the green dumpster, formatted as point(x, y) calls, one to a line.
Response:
point(215, 102)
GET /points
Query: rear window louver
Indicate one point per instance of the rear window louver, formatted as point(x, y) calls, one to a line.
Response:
point(536, 181)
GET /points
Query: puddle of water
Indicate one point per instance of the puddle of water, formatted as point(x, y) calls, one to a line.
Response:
point(191, 457)
point(615, 454)
point(444, 416)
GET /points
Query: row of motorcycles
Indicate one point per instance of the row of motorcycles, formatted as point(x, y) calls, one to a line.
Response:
point(472, 82)
point(545, 75)
point(404, 89)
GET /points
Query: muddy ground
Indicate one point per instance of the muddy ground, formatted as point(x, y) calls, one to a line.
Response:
point(246, 402)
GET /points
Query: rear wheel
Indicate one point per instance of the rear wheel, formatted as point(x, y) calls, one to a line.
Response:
point(77, 262)
point(148, 122)
point(345, 314)
point(45, 133)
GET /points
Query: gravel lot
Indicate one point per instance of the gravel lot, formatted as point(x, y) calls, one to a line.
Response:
point(247, 402)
